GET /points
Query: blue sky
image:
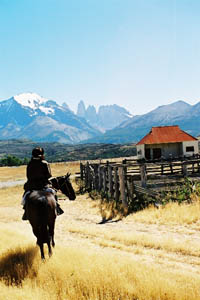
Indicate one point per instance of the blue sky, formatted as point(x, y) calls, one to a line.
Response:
point(135, 53)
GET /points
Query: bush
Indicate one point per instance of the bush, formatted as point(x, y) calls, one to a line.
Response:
point(11, 160)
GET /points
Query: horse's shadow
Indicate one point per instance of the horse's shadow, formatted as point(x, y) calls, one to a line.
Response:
point(16, 265)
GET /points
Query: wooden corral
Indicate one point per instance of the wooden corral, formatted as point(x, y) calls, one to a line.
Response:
point(128, 180)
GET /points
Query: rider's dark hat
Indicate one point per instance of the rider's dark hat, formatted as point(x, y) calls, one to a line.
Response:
point(38, 152)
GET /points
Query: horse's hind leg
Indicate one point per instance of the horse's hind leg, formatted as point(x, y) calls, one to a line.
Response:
point(39, 242)
point(41, 249)
point(51, 232)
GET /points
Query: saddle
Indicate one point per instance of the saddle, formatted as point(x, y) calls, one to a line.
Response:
point(26, 193)
point(48, 189)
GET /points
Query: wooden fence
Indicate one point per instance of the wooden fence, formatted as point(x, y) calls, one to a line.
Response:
point(129, 179)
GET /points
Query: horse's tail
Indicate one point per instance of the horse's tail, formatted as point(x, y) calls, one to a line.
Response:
point(42, 204)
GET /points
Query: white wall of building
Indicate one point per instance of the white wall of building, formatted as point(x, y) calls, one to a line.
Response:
point(186, 146)
point(140, 151)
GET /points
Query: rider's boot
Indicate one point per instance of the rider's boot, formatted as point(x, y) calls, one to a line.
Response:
point(24, 217)
point(58, 208)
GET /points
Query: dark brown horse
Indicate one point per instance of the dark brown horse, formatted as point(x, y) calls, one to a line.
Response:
point(41, 211)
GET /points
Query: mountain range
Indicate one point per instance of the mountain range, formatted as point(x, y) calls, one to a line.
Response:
point(30, 116)
point(178, 113)
point(106, 118)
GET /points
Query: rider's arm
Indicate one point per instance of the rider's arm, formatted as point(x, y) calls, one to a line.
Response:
point(47, 169)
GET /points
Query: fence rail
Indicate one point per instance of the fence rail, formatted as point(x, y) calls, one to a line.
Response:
point(129, 179)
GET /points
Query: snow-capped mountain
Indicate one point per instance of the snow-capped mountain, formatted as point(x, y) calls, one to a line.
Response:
point(31, 116)
point(31, 100)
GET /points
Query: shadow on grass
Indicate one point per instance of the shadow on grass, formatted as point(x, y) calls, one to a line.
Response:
point(108, 220)
point(16, 265)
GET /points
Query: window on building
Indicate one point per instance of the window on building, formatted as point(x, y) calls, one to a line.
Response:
point(190, 149)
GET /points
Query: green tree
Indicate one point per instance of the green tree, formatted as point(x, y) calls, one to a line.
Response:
point(10, 160)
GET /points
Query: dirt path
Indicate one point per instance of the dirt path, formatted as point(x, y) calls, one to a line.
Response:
point(11, 183)
point(167, 246)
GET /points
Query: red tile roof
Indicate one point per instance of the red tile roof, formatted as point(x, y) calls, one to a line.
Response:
point(166, 134)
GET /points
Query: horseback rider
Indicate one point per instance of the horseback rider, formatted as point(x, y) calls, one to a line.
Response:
point(38, 173)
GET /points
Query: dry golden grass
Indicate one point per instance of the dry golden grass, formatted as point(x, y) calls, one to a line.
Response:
point(172, 213)
point(12, 173)
point(59, 169)
point(74, 273)
point(19, 173)
point(11, 196)
point(99, 262)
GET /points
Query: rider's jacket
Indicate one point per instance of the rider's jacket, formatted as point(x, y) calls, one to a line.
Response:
point(38, 173)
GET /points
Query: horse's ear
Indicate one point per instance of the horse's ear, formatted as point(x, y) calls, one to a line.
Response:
point(67, 175)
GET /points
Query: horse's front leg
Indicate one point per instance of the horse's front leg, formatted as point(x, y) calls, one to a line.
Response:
point(49, 247)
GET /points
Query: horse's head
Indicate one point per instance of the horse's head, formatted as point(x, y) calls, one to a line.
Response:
point(66, 187)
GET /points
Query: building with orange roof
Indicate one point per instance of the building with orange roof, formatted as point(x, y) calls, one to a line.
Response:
point(167, 142)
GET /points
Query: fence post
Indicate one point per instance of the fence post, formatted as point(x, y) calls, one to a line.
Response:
point(96, 177)
point(86, 174)
point(143, 175)
point(104, 180)
point(162, 169)
point(131, 189)
point(110, 180)
point(116, 184)
point(171, 167)
point(81, 171)
point(89, 177)
point(185, 172)
point(124, 161)
point(132, 186)
point(122, 186)
point(193, 167)
point(198, 166)
point(100, 177)
point(92, 177)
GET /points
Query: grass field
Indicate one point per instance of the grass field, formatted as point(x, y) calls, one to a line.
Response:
point(150, 255)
